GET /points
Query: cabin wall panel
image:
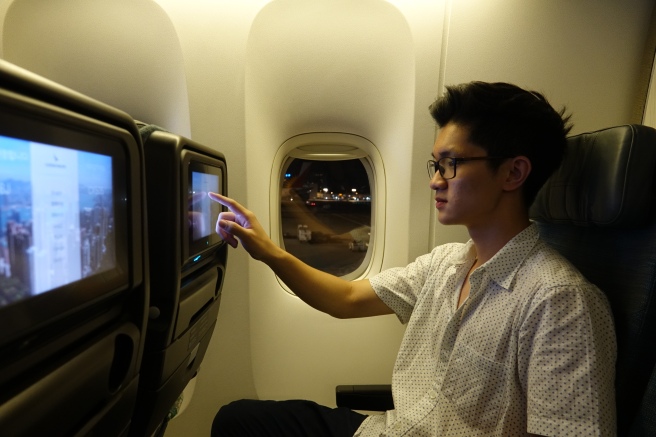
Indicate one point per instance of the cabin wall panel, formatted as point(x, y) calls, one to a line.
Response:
point(124, 53)
point(584, 54)
point(326, 66)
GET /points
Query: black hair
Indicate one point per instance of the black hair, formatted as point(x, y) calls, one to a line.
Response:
point(508, 121)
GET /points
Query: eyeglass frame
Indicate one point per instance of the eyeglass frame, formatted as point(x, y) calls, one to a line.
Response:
point(433, 166)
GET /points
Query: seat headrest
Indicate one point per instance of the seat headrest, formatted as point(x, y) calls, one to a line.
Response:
point(606, 180)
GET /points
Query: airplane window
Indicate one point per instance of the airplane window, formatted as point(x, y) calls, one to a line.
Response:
point(327, 202)
point(325, 208)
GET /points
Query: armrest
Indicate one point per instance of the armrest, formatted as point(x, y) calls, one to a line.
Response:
point(365, 397)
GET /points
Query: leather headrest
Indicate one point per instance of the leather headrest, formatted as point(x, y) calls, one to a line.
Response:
point(606, 180)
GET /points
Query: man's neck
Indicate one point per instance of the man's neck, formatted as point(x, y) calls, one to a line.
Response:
point(489, 239)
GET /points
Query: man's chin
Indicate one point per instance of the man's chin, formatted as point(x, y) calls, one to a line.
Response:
point(444, 219)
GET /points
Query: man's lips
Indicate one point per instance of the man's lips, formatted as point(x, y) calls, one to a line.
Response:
point(439, 202)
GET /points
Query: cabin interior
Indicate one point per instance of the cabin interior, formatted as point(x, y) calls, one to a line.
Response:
point(249, 83)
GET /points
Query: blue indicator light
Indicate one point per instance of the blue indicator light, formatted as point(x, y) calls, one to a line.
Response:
point(197, 258)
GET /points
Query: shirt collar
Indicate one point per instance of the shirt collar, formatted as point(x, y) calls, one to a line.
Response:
point(503, 266)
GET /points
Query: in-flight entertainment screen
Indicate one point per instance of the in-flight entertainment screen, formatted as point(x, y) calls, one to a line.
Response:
point(56, 217)
point(200, 205)
point(204, 175)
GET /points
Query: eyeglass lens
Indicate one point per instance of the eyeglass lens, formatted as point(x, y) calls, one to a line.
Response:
point(445, 166)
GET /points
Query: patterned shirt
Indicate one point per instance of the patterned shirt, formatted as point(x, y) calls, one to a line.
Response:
point(531, 350)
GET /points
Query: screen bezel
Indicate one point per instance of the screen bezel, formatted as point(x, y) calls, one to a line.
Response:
point(193, 251)
point(35, 121)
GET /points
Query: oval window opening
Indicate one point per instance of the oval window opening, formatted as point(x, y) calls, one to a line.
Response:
point(325, 208)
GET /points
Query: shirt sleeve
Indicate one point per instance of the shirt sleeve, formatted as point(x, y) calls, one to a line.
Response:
point(400, 287)
point(566, 362)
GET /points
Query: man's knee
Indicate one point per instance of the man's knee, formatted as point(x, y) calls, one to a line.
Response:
point(283, 419)
point(230, 418)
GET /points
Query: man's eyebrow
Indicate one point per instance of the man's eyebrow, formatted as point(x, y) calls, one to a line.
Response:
point(443, 154)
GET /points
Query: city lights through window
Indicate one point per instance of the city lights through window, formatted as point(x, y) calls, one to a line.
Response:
point(326, 213)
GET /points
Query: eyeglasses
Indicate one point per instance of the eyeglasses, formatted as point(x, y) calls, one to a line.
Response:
point(447, 166)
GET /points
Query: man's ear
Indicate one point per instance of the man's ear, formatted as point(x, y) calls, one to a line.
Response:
point(518, 169)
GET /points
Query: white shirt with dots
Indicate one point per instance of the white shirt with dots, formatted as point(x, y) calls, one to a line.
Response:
point(531, 350)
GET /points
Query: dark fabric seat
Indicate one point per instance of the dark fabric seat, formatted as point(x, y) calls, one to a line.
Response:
point(644, 424)
point(598, 211)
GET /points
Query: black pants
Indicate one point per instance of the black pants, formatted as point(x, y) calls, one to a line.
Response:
point(284, 418)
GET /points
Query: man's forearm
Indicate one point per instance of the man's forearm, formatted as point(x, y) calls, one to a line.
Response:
point(324, 292)
point(332, 295)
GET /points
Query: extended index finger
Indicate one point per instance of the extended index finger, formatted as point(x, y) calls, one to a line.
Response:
point(232, 204)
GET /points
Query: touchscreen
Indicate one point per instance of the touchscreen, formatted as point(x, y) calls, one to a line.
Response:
point(56, 217)
point(201, 215)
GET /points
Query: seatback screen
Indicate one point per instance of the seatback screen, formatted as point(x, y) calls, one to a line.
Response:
point(202, 174)
point(56, 217)
point(201, 208)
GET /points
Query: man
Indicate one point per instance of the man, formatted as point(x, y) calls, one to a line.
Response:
point(504, 336)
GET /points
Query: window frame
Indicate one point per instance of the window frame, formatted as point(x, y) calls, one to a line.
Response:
point(334, 146)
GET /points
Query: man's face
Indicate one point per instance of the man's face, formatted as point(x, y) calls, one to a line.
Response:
point(472, 197)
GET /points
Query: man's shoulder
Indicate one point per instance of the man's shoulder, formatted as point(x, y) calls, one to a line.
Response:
point(551, 269)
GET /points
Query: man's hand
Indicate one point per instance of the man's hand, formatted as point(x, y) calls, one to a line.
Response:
point(325, 292)
point(240, 225)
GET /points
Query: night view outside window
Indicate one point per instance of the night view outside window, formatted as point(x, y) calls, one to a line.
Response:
point(326, 213)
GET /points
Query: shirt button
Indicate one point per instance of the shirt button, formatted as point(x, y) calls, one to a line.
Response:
point(432, 395)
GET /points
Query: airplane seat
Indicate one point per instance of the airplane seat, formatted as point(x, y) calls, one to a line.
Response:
point(74, 284)
point(187, 264)
point(644, 423)
point(599, 211)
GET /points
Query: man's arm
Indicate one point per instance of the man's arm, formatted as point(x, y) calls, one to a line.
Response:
point(323, 291)
point(567, 339)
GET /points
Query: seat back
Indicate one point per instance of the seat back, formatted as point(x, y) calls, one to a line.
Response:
point(598, 211)
point(644, 423)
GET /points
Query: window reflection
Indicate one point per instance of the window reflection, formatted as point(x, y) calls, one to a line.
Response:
point(326, 213)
